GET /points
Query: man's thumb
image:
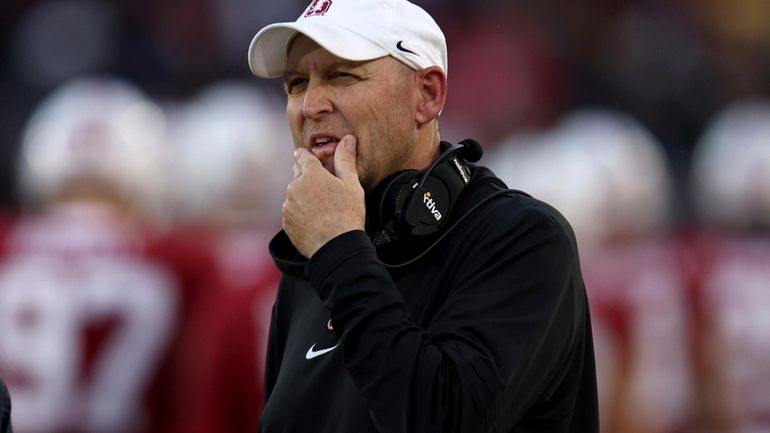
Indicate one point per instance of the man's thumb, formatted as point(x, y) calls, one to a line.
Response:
point(345, 159)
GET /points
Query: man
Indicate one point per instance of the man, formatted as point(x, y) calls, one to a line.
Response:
point(608, 175)
point(227, 188)
point(419, 294)
point(94, 298)
point(5, 409)
point(728, 253)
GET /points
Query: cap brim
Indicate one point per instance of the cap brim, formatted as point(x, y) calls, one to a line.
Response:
point(269, 49)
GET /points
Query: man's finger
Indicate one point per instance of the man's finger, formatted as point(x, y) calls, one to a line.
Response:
point(345, 159)
point(304, 158)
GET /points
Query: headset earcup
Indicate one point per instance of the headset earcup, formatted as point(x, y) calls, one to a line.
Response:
point(428, 207)
point(412, 202)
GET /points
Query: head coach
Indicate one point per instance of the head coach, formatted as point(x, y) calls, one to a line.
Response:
point(419, 293)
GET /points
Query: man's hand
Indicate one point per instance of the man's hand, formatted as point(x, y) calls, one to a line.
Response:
point(320, 205)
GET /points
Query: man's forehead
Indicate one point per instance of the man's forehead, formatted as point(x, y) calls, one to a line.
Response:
point(303, 52)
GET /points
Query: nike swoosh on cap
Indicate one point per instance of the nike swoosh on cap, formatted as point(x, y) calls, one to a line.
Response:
point(406, 50)
point(312, 353)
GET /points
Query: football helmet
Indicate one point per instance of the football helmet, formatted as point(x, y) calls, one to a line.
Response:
point(731, 166)
point(100, 132)
point(230, 156)
point(601, 168)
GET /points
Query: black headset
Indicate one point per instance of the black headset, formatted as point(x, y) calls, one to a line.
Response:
point(418, 203)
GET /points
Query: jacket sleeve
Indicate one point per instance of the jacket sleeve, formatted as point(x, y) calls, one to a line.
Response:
point(5, 409)
point(492, 350)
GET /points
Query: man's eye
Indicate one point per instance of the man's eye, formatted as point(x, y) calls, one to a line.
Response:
point(294, 84)
point(341, 75)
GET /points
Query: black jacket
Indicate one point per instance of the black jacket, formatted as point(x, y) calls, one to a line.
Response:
point(487, 332)
point(5, 409)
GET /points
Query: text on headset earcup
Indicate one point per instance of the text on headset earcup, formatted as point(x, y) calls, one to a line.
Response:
point(428, 207)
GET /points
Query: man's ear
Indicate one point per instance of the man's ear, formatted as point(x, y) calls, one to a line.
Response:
point(432, 84)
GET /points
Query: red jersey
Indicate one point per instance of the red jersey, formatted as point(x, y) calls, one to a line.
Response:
point(91, 315)
point(640, 319)
point(224, 382)
point(731, 293)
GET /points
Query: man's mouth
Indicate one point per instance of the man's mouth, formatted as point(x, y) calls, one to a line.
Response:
point(323, 142)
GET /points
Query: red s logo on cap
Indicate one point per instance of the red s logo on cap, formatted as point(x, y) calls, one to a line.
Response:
point(318, 7)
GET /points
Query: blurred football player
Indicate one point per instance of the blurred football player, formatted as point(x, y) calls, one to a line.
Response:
point(228, 164)
point(93, 298)
point(731, 276)
point(609, 176)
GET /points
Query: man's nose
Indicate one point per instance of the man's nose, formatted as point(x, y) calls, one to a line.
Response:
point(316, 100)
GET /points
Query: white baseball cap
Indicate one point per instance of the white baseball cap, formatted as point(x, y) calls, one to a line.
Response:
point(354, 30)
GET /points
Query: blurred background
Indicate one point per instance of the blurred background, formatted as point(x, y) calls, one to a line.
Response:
point(646, 122)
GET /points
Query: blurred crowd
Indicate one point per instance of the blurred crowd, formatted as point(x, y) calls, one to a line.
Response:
point(142, 170)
